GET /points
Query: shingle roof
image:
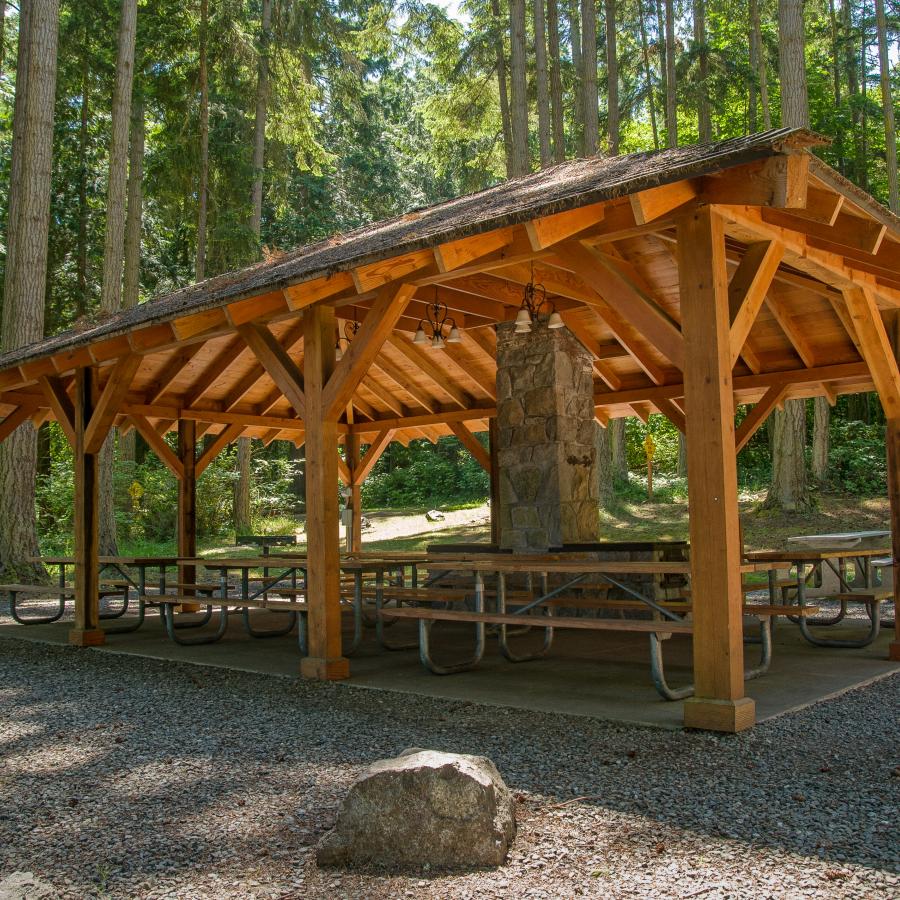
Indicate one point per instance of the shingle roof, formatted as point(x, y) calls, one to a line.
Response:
point(567, 185)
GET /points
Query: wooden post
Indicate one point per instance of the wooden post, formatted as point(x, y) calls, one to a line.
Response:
point(187, 503)
point(86, 631)
point(355, 534)
point(325, 660)
point(494, 446)
point(719, 703)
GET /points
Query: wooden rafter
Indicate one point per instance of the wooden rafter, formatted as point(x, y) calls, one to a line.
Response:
point(158, 445)
point(372, 454)
point(226, 357)
point(172, 369)
point(672, 413)
point(278, 364)
point(225, 437)
point(603, 369)
point(424, 361)
point(479, 452)
point(799, 341)
point(107, 407)
point(61, 403)
point(377, 325)
point(876, 348)
point(758, 415)
point(747, 290)
point(13, 420)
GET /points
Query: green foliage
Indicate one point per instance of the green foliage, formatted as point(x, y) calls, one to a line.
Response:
point(425, 475)
point(857, 462)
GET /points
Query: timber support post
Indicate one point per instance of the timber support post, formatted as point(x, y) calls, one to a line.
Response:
point(86, 631)
point(354, 533)
point(719, 703)
point(325, 660)
point(187, 502)
point(494, 447)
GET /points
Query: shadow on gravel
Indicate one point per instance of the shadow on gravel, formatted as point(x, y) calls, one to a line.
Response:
point(117, 770)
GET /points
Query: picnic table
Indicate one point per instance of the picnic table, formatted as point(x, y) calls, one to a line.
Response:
point(809, 561)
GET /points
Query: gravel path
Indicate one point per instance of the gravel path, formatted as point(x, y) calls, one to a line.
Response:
point(126, 777)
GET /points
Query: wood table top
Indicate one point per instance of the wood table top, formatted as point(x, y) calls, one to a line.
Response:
point(810, 554)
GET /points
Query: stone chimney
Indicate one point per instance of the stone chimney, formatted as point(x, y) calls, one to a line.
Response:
point(546, 453)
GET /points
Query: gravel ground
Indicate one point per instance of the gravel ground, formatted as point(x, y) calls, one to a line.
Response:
point(128, 777)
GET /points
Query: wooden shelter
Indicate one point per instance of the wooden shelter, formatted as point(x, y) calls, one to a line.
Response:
point(699, 278)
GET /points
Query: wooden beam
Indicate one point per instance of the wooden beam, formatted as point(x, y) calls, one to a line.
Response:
point(63, 409)
point(225, 437)
point(225, 358)
point(548, 230)
point(754, 419)
point(86, 631)
point(642, 411)
point(747, 290)
point(848, 230)
point(603, 369)
point(719, 702)
point(107, 408)
point(276, 361)
point(325, 660)
point(377, 325)
point(344, 472)
point(13, 420)
point(382, 273)
point(621, 290)
point(402, 380)
point(187, 501)
point(672, 413)
point(487, 381)
point(624, 331)
point(780, 182)
point(479, 453)
point(373, 454)
point(798, 339)
point(172, 370)
point(876, 348)
point(424, 360)
point(654, 203)
point(458, 253)
point(158, 445)
point(444, 417)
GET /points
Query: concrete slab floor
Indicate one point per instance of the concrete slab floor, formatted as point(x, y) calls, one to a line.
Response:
point(604, 675)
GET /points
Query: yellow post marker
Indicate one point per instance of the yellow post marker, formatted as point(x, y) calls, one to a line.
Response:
point(650, 451)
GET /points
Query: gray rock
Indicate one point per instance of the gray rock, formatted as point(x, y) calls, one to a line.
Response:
point(25, 886)
point(434, 515)
point(424, 809)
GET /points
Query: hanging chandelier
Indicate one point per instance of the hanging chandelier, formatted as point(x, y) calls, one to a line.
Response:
point(350, 330)
point(436, 320)
point(534, 300)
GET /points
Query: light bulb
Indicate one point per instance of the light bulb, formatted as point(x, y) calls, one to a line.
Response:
point(555, 320)
point(420, 337)
point(454, 336)
point(523, 321)
point(338, 353)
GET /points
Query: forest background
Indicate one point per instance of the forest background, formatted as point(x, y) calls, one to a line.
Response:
point(190, 137)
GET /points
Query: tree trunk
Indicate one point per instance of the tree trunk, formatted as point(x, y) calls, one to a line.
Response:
point(671, 105)
point(556, 91)
point(28, 226)
point(681, 463)
point(590, 97)
point(612, 78)
point(203, 186)
point(259, 126)
point(605, 477)
point(836, 80)
point(789, 491)
point(543, 84)
point(81, 279)
point(704, 119)
point(577, 87)
point(761, 68)
point(792, 64)
point(617, 448)
point(820, 442)
point(518, 89)
point(242, 524)
point(887, 102)
point(2, 33)
point(133, 224)
point(503, 88)
point(114, 244)
point(853, 92)
point(242, 485)
point(648, 79)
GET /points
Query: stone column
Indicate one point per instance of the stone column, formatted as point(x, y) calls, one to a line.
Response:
point(546, 453)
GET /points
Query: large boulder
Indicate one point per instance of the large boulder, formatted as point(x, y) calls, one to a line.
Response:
point(424, 809)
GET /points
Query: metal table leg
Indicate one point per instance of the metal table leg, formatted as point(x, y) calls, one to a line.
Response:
point(425, 636)
point(503, 641)
point(36, 620)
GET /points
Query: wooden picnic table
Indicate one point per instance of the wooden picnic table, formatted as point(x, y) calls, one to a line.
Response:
point(809, 563)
